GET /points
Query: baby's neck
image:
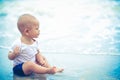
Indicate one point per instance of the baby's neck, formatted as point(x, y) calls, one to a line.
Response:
point(27, 40)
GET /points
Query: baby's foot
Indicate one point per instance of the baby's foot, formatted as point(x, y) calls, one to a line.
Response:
point(52, 70)
point(60, 70)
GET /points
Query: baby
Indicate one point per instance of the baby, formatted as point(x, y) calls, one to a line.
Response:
point(25, 51)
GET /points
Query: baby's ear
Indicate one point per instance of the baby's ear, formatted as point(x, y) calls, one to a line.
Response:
point(26, 31)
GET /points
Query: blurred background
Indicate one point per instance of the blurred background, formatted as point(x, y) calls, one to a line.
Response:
point(89, 29)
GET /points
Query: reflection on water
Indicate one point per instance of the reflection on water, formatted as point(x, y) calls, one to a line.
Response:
point(86, 67)
point(68, 27)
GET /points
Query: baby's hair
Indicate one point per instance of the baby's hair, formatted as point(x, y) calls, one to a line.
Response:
point(26, 21)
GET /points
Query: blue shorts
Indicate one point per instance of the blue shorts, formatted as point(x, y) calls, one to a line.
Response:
point(18, 70)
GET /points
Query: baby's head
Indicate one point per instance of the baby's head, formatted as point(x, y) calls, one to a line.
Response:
point(26, 21)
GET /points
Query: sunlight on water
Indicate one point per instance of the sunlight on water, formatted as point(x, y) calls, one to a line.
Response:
point(68, 27)
point(85, 27)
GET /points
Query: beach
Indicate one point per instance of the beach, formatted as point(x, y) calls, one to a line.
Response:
point(81, 36)
point(76, 66)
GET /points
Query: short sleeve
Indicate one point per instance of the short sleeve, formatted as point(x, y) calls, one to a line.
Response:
point(15, 43)
point(11, 48)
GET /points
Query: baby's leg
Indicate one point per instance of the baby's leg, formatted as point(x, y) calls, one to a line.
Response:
point(29, 67)
point(48, 65)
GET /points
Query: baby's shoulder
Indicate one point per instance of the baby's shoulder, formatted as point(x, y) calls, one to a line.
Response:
point(17, 42)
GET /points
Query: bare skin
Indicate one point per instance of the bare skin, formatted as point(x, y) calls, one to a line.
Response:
point(28, 33)
point(41, 66)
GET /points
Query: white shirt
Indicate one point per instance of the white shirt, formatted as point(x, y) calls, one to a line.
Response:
point(27, 52)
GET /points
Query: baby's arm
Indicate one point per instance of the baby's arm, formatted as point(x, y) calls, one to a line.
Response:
point(42, 60)
point(12, 55)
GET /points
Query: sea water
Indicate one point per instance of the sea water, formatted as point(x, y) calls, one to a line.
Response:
point(83, 37)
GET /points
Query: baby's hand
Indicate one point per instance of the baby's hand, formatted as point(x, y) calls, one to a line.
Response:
point(16, 50)
point(42, 62)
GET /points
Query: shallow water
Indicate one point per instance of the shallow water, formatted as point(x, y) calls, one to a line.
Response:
point(76, 67)
point(86, 67)
point(81, 36)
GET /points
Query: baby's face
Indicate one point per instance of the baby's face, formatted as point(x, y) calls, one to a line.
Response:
point(34, 32)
